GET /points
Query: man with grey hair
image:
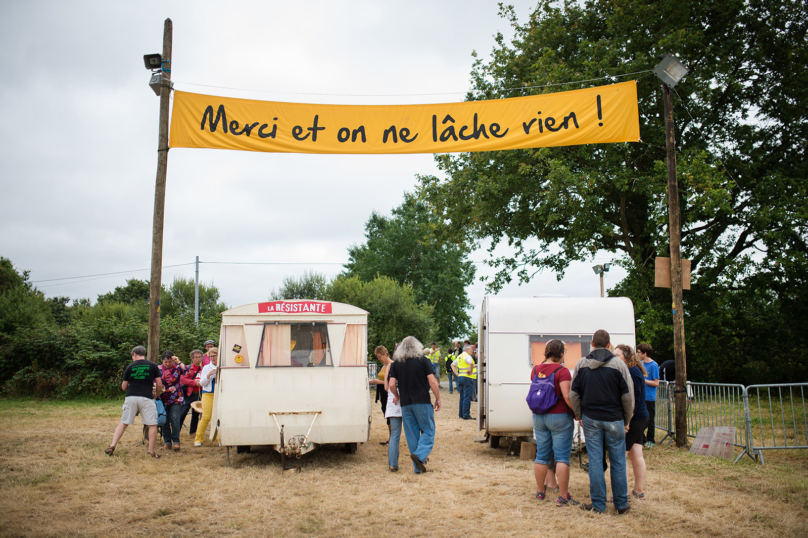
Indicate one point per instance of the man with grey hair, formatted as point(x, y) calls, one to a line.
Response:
point(411, 377)
point(139, 381)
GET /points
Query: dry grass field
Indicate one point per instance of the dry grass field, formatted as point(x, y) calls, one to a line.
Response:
point(55, 480)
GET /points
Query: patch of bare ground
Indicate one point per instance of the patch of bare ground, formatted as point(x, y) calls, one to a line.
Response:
point(56, 481)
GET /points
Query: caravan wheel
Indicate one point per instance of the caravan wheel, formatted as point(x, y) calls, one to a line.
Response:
point(493, 441)
point(350, 448)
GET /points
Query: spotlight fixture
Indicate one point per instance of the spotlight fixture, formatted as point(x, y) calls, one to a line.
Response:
point(670, 70)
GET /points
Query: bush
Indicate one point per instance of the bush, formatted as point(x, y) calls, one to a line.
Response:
point(393, 312)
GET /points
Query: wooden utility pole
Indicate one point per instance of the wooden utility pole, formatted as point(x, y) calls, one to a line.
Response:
point(674, 227)
point(601, 283)
point(160, 199)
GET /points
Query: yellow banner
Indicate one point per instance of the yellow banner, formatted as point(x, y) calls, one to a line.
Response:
point(589, 116)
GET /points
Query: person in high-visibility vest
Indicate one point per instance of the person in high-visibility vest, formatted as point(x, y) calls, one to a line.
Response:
point(463, 366)
point(434, 357)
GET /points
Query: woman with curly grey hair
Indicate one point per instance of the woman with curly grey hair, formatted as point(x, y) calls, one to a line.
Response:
point(410, 379)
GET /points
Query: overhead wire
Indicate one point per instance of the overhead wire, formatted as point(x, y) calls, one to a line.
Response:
point(53, 282)
point(521, 88)
point(105, 274)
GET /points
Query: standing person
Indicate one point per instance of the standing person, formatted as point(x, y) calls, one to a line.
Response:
point(638, 421)
point(462, 368)
point(411, 377)
point(602, 397)
point(191, 390)
point(553, 429)
point(207, 381)
point(394, 420)
point(450, 357)
point(139, 381)
point(434, 357)
point(651, 383)
point(209, 344)
point(171, 371)
point(381, 385)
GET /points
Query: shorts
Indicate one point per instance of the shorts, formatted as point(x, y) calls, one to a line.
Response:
point(635, 429)
point(553, 435)
point(132, 405)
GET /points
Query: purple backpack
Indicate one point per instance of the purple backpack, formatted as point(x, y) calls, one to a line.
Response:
point(542, 396)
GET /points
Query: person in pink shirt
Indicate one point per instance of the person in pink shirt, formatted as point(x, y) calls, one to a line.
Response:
point(192, 390)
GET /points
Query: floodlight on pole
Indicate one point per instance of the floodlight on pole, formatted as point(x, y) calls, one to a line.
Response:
point(599, 270)
point(670, 71)
point(161, 71)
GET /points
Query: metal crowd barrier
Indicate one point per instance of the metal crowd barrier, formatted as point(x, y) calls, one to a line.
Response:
point(773, 411)
point(765, 417)
point(718, 404)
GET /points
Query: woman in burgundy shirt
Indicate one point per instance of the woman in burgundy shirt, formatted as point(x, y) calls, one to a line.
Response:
point(553, 429)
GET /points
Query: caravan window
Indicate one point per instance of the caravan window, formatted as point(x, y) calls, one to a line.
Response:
point(577, 347)
point(294, 344)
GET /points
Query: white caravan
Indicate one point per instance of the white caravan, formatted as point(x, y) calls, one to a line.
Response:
point(292, 375)
point(512, 336)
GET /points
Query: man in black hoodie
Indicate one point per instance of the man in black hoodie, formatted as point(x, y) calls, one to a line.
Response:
point(602, 397)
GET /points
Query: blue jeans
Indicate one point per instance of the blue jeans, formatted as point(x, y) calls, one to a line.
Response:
point(171, 429)
point(612, 436)
point(436, 369)
point(419, 427)
point(553, 437)
point(451, 376)
point(395, 440)
point(466, 388)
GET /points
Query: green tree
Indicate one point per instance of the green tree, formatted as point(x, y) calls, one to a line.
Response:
point(393, 311)
point(21, 305)
point(136, 292)
point(741, 131)
point(178, 299)
point(311, 285)
point(9, 277)
point(404, 247)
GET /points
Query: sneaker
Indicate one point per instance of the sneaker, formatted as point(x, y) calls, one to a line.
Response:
point(197, 444)
point(590, 508)
point(625, 510)
point(569, 501)
point(540, 495)
point(649, 444)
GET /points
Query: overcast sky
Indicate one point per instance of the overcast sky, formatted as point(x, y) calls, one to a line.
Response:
point(78, 147)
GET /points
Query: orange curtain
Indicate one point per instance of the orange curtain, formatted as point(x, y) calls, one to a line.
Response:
point(353, 349)
point(276, 346)
point(570, 359)
point(537, 352)
point(573, 355)
point(318, 351)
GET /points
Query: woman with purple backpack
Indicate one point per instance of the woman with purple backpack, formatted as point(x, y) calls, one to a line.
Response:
point(553, 422)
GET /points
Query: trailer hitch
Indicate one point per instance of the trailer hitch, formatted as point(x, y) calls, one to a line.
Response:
point(297, 444)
